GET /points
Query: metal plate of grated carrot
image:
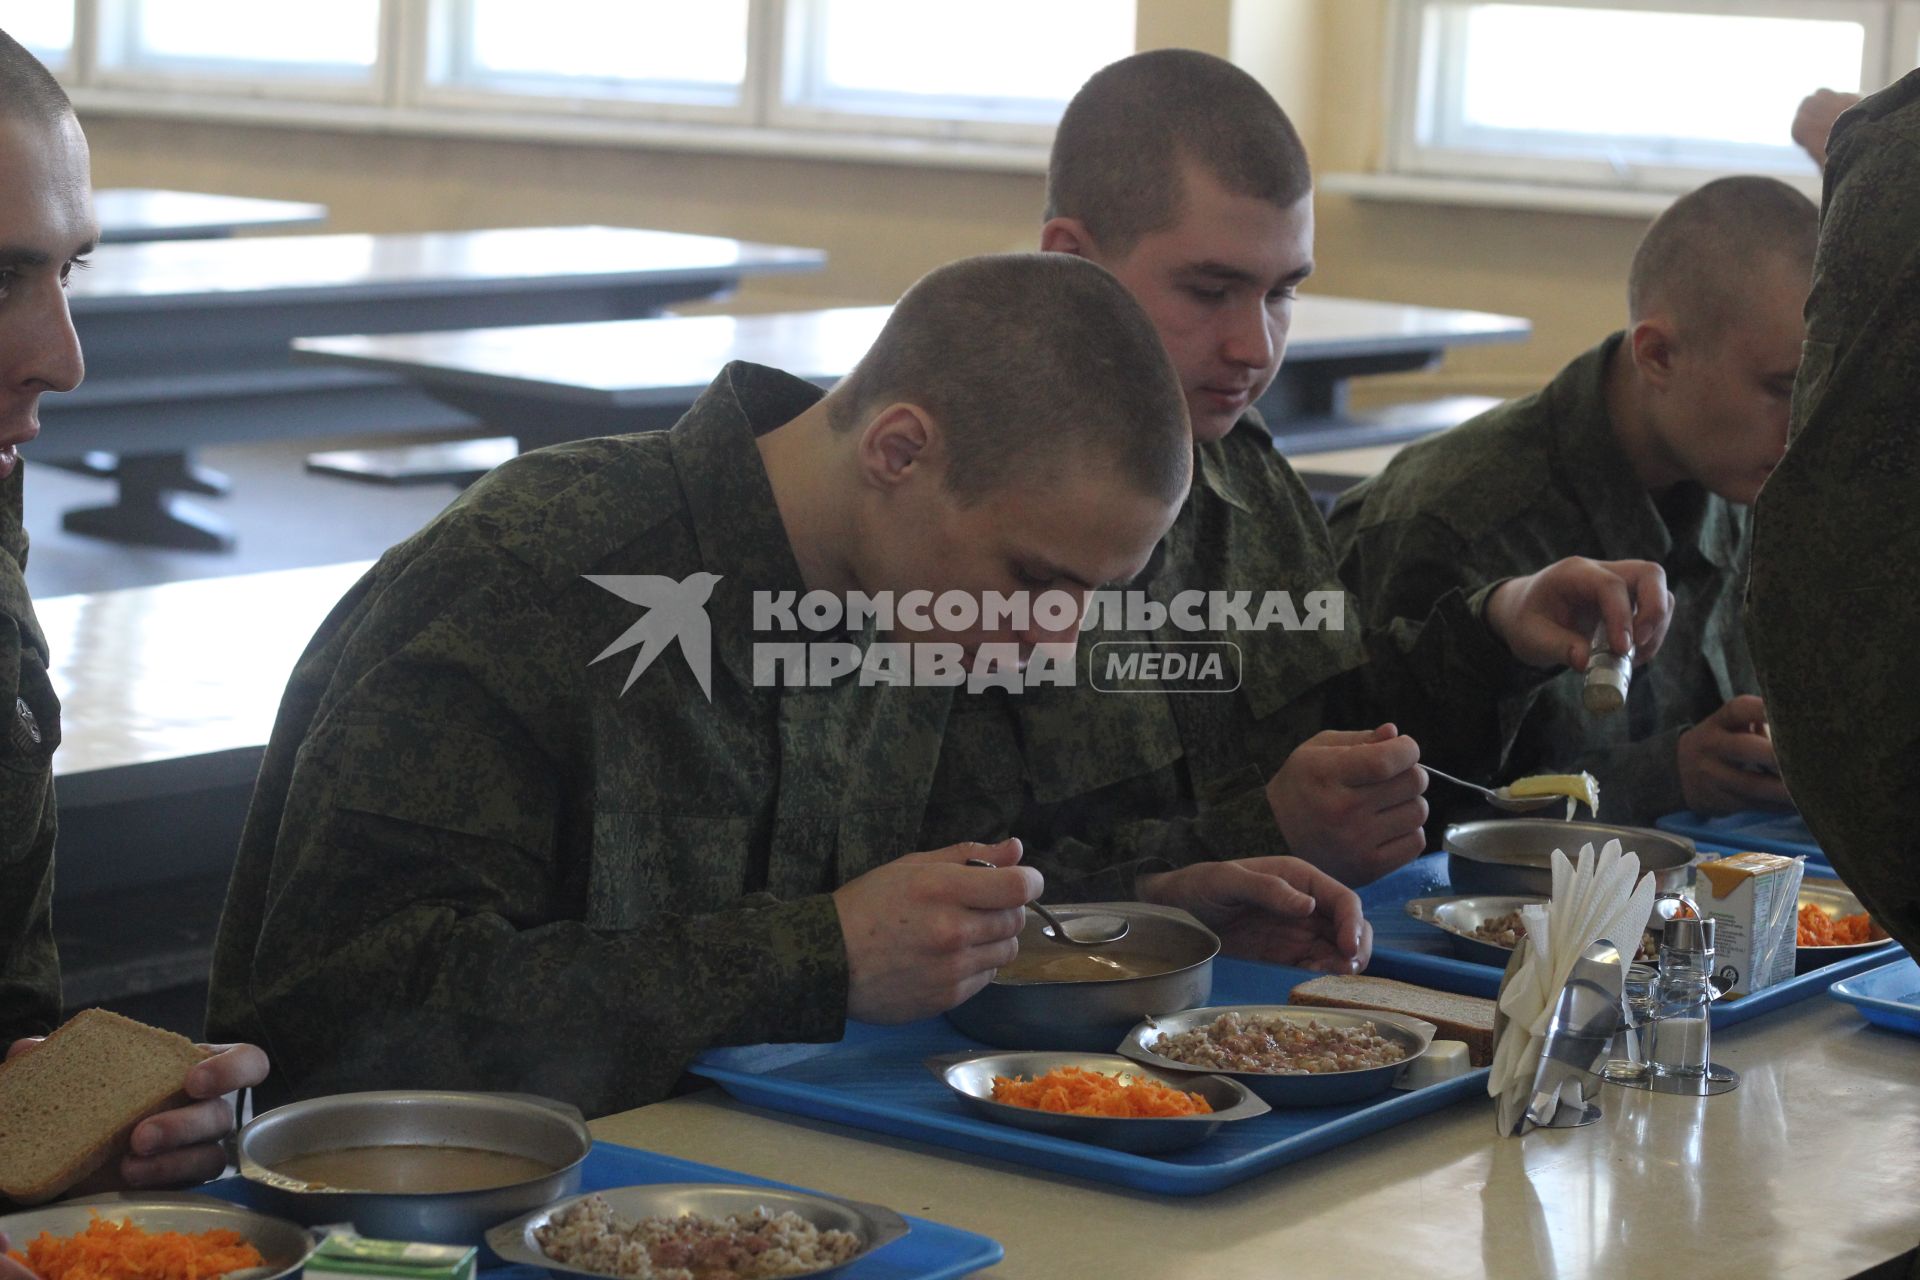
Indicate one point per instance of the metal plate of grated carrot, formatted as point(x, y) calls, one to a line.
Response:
point(155, 1237)
point(1077, 1092)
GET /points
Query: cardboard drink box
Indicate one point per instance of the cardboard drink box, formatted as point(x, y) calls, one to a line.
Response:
point(344, 1256)
point(1754, 901)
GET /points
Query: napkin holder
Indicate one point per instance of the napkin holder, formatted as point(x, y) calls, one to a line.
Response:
point(1563, 1090)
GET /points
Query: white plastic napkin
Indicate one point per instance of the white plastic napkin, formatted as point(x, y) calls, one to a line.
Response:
point(1598, 896)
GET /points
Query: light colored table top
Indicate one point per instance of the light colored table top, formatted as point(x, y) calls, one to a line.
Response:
point(642, 363)
point(1810, 1169)
point(255, 269)
point(136, 214)
point(188, 669)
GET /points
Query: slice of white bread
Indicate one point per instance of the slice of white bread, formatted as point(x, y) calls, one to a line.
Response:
point(1467, 1018)
point(70, 1106)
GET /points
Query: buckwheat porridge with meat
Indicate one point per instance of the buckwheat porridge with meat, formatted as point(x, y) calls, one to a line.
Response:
point(1274, 1045)
point(756, 1246)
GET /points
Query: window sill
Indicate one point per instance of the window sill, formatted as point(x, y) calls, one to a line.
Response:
point(1473, 193)
point(724, 139)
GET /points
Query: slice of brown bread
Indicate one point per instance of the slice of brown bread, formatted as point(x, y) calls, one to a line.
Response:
point(69, 1106)
point(1467, 1018)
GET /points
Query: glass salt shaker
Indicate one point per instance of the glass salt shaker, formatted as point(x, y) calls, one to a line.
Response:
point(1681, 1040)
point(1608, 674)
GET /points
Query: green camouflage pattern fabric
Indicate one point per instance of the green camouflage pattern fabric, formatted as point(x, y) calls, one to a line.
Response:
point(29, 731)
point(472, 862)
point(1533, 481)
point(1833, 612)
point(1104, 787)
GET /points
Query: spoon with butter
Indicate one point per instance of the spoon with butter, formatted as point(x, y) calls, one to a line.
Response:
point(1528, 795)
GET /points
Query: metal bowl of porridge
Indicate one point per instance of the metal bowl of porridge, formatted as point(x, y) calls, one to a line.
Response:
point(577, 1237)
point(1324, 1056)
point(1058, 996)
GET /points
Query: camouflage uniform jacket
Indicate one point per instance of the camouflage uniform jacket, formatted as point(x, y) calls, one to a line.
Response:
point(1106, 786)
point(1531, 482)
point(473, 862)
point(29, 731)
point(1833, 611)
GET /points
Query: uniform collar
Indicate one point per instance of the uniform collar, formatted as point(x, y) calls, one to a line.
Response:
point(14, 601)
point(1595, 468)
point(1212, 471)
point(729, 498)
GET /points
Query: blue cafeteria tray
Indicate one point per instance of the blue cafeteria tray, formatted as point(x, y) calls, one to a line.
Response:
point(875, 1079)
point(930, 1251)
point(1423, 954)
point(1889, 996)
point(1758, 829)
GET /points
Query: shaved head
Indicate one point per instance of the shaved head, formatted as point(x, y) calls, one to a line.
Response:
point(1034, 365)
point(1120, 153)
point(1703, 259)
point(27, 89)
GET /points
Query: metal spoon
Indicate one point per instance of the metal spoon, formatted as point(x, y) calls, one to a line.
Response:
point(1087, 931)
point(1495, 795)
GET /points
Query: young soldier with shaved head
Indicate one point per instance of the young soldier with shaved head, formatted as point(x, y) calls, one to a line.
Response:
point(1652, 446)
point(479, 857)
point(47, 230)
point(1181, 175)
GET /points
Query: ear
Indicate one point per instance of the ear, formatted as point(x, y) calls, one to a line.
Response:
point(1654, 350)
point(1068, 235)
point(896, 444)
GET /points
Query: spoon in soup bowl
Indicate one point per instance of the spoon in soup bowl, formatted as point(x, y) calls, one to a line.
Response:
point(1081, 931)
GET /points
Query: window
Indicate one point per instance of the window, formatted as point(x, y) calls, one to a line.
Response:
point(215, 44)
point(820, 75)
point(639, 50)
point(1647, 94)
point(977, 61)
point(44, 26)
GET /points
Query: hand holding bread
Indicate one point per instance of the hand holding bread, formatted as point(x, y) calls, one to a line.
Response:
point(107, 1102)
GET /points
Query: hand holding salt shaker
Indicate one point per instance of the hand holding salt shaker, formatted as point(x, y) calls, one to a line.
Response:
point(1608, 674)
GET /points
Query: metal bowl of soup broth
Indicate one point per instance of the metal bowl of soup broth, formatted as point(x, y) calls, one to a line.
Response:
point(437, 1167)
point(1058, 996)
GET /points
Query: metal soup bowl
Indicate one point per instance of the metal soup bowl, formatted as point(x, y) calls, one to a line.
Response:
point(1023, 1008)
point(1512, 855)
point(550, 1132)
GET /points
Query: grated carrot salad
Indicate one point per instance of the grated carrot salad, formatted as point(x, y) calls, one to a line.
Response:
point(1818, 929)
point(124, 1251)
point(1072, 1091)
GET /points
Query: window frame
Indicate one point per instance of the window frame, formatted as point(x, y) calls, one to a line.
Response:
point(105, 22)
point(795, 103)
point(1409, 56)
point(403, 92)
point(421, 87)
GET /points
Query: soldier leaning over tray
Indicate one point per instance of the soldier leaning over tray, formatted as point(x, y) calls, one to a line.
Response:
point(46, 228)
point(476, 858)
point(1179, 173)
point(1833, 610)
point(1651, 446)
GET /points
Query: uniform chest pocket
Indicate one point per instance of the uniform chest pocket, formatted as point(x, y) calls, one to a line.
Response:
point(651, 864)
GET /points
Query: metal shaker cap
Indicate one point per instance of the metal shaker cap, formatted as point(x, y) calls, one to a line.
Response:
point(1687, 935)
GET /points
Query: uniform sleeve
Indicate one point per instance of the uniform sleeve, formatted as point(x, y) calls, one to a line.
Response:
point(29, 967)
point(421, 926)
point(1831, 609)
